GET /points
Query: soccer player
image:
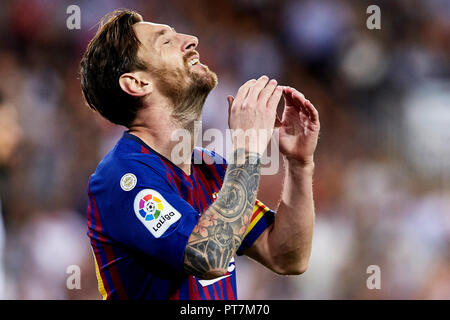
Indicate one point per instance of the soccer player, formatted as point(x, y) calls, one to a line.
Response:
point(162, 228)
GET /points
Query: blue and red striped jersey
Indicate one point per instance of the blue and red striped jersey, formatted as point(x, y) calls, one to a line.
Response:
point(142, 210)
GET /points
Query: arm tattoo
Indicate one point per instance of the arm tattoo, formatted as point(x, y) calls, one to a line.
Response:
point(221, 228)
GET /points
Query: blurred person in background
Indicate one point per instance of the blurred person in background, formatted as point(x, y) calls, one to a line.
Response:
point(10, 136)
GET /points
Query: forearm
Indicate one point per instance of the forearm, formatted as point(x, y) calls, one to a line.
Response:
point(221, 228)
point(291, 236)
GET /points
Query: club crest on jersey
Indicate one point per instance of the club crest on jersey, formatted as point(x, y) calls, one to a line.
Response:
point(154, 212)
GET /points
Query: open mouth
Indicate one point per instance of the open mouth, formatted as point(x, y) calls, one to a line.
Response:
point(193, 62)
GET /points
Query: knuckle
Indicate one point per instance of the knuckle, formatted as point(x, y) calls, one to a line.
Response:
point(246, 105)
point(245, 85)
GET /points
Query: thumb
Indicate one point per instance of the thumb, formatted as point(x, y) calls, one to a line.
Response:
point(230, 100)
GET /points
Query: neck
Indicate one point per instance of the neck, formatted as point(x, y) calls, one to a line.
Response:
point(169, 137)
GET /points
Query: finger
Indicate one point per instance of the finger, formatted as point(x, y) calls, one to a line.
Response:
point(243, 91)
point(284, 110)
point(290, 90)
point(230, 100)
point(298, 96)
point(256, 89)
point(267, 92)
point(287, 91)
point(314, 114)
point(294, 98)
point(299, 101)
point(272, 104)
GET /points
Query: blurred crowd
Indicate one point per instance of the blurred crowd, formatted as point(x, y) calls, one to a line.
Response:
point(382, 178)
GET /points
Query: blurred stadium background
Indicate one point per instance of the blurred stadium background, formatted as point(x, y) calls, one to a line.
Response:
point(382, 181)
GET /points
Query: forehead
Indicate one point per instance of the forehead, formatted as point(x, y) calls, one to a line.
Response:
point(145, 29)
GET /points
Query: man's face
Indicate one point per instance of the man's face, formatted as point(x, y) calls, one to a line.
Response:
point(173, 62)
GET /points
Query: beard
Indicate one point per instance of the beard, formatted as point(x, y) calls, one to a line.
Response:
point(186, 89)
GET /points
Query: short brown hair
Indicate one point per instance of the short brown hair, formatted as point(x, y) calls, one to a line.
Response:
point(111, 53)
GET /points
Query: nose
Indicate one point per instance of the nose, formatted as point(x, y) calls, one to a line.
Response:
point(189, 43)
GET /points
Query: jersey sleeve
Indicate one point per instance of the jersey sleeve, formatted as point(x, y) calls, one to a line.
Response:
point(262, 217)
point(152, 218)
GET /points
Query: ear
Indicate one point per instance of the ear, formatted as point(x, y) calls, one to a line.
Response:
point(136, 84)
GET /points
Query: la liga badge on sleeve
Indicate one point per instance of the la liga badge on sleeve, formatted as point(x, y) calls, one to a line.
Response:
point(155, 212)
